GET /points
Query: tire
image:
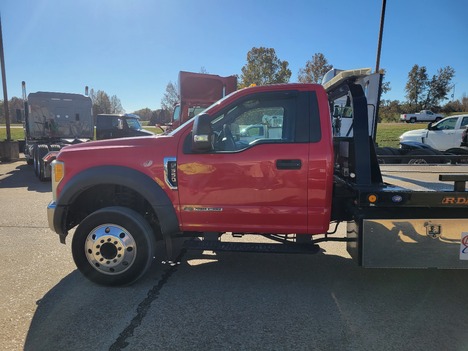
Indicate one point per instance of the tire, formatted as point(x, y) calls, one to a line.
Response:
point(42, 150)
point(113, 246)
point(438, 119)
point(459, 152)
point(412, 120)
point(419, 159)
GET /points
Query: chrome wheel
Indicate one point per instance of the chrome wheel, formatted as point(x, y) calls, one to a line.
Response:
point(110, 249)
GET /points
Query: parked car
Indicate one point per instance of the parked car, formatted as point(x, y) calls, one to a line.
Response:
point(423, 116)
point(443, 135)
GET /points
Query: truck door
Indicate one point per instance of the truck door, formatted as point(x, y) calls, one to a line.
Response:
point(251, 183)
point(444, 135)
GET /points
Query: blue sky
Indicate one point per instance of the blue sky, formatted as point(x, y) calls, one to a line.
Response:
point(133, 48)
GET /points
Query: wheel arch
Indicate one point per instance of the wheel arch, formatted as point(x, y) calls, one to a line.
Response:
point(104, 179)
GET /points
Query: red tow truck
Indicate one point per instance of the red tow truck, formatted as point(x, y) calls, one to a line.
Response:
point(207, 180)
point(198, 91)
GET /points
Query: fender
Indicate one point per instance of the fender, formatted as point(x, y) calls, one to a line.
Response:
point(118, 175)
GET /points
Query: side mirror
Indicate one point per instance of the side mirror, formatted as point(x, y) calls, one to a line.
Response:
point(202, 133)
point(429, 126)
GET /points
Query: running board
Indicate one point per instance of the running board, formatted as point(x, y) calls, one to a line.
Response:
point(287, 248)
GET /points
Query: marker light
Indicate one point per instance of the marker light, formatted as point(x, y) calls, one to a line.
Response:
point(372, 198)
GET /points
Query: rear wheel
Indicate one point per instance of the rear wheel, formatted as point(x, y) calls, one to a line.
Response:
point(419, 157)
point(113, 246)
point(458, 151)
point(412, 120)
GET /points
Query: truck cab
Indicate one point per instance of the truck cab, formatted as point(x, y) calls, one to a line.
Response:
point(110, 126)
point(53, 120)
point(197, 92)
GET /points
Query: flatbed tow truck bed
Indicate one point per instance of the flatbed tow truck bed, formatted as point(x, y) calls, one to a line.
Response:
point(421, 177)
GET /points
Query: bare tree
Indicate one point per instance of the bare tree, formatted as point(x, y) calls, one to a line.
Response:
point(170, 97)
point(115, 105)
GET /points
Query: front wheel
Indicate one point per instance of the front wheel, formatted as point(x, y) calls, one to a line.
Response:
point(113, 246)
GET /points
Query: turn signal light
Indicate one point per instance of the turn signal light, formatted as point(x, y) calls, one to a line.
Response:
point(59, 171)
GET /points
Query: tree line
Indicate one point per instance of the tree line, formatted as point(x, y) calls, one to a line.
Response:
point(264, 67)
point(422, 90)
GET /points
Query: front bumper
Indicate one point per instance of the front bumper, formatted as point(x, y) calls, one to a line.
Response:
point(51, 207)
point(55, 216)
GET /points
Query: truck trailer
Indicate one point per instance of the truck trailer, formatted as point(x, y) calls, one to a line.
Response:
point(203, 183)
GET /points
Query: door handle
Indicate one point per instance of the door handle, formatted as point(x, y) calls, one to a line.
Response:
point(288, 164)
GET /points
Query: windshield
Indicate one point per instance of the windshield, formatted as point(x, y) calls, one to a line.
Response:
point(133, 123)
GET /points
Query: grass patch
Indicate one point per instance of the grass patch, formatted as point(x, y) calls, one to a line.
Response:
point(16, 133)
point(387, 133)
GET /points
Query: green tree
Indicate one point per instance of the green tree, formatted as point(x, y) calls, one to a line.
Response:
point(263, 67)
point(439, 86)
point(13, 104)
point(464, 103)
point(314, 69)
point(145, 114)
point(160, 116)
point(427, 93)
point(417, 85)
point(170, 97)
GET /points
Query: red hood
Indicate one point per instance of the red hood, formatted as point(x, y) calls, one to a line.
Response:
point(115, 143)
point(129, 152)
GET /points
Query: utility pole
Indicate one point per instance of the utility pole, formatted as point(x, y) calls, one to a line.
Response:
point(5, 95)
point(382, 19)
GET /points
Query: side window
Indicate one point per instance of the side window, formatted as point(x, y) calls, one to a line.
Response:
point(464, 122)
point(176, 113)
point(447, 124)
point(259, 120)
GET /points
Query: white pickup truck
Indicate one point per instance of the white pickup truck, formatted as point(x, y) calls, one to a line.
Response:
point(443, 135)
point(423, 116)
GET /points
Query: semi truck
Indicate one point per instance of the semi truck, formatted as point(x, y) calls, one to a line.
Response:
point(197, 91)
point(203, 184)
point(123, 125)
point(51, 121)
